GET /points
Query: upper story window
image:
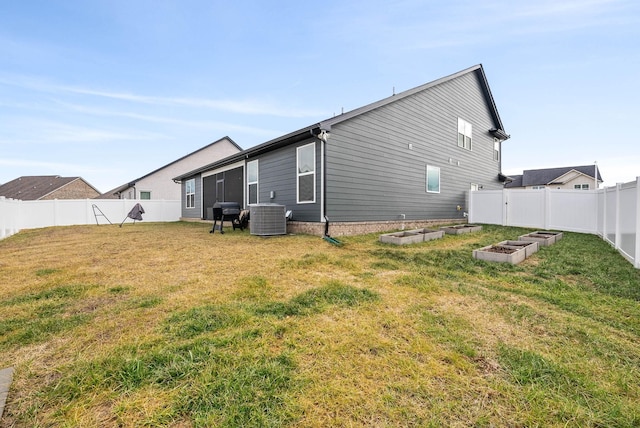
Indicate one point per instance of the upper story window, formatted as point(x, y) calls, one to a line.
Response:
point(306, 173)
point(537, 187)
point(496, 149)
point(145, 195)
point(190, 193)
point(252, 182)
point(581, 186)
point(464, 134)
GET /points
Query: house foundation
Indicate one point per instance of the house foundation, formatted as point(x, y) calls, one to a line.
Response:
point(363, 227)
point(348, 228)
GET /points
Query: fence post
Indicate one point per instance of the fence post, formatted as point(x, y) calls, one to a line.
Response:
point(3, 217)
point(505, 207)
point(546, 204)
point(604, 213)
point(617, 214)
point(636, 255)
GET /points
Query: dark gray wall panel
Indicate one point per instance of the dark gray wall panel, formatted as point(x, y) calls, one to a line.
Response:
point(277, 173)
point(372, 174)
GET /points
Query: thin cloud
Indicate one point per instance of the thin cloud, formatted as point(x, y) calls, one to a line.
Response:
point(49, 132)
point(248, 107)
point(209, 124)
point(465, 23)
point(52, 166)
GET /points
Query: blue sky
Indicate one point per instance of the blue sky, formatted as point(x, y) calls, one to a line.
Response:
point(110, 90)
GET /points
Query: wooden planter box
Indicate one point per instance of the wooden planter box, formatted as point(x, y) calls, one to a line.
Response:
point(530, 247)
point(543, 238)
point(501, 254)
point(402, 238)
point(460, 229)
point(428, 234)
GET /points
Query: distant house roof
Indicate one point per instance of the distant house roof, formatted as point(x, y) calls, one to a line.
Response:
point(326, 125)
point(549, 176)
point(112, 193)
point(35, 187)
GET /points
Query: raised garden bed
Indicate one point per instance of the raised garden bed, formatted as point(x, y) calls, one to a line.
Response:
point(543, 238)
point(501, 254)
point(460, 229)
point(411, 236)
point(428, 234)
point(402, 238)
point(530, 247)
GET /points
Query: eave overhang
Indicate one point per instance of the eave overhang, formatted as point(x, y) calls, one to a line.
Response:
point(499, 134)
point(504, 178)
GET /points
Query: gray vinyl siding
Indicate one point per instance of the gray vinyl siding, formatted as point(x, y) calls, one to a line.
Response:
point(196, 211)
point(277, 173)
point(372, 174)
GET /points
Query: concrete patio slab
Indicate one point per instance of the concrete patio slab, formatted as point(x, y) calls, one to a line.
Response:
point(6, 376)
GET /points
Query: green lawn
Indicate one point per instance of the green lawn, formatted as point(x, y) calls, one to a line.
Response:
point(168, 325)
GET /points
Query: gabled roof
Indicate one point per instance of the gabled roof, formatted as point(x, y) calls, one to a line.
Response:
point(326, 125)
point(35, 187)
point(549, 176)
point(516, 181)
point(132, 183)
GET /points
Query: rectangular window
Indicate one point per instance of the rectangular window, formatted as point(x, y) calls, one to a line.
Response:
point(581, 186)
point(496, 149)
point(306, 173)
point(537, 187)
point(252, 182)
point(190, 193)
point(464, 134)
point(433, 179)
point(145, 195)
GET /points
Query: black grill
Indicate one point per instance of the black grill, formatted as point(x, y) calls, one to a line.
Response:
point(229, 211)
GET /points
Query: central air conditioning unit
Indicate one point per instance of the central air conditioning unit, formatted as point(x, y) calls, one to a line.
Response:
point(267, 219)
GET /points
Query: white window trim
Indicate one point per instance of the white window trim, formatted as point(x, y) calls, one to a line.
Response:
point(433, 168)
point(257, 182)
point(186, 190)
point(298, 174)
point(496, 150)
point(466, 129)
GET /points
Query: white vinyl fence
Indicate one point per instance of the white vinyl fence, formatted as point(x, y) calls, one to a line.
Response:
point(612, 212)
point(16, 215)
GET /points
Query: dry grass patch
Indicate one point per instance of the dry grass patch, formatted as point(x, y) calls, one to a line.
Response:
point(168, 325)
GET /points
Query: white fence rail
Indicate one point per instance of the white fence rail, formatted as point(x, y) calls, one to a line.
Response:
point(612, 212)
point(16, 215)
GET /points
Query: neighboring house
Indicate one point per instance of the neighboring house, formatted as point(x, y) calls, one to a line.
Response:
point(47, 187)
point(568, 177)
point(159, 184)
point(412, 156)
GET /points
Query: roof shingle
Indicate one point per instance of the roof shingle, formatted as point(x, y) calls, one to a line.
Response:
point(34, 187)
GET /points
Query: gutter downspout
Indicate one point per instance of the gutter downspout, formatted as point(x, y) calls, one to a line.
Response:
point(324, 136)
point(323, 175)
